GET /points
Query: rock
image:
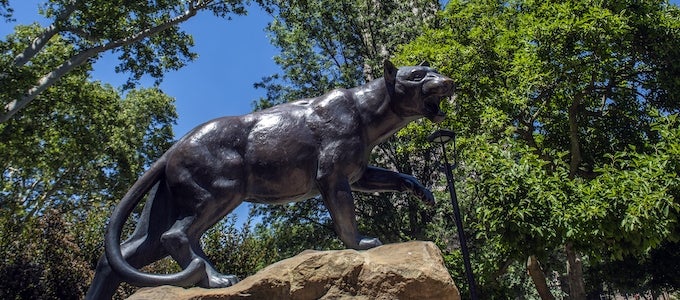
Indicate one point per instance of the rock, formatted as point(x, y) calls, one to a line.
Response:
point(412, 270)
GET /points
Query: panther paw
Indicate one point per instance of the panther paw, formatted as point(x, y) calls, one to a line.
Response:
point(420, 191)
point(427, 197)
point(221, 280)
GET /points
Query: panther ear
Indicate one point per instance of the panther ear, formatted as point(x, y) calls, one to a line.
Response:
point(425, 63)
point(390, 72)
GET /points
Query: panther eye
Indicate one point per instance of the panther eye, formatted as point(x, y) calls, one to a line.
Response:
point(417, 75)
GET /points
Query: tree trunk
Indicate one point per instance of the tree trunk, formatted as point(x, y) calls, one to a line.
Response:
point(575, 146)
point(577, 290)
point(538, 277)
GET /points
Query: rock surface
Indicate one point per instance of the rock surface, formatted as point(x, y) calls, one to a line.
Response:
point(412, 270)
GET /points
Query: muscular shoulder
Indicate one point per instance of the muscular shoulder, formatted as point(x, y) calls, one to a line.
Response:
point(335, 102)
point(335, 106)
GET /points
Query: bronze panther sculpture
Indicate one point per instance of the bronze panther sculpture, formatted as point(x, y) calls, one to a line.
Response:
point(290, 152)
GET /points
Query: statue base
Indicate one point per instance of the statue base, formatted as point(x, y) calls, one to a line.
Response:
point(411, 270)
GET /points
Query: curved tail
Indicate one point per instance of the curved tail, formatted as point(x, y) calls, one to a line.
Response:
point(187, 277)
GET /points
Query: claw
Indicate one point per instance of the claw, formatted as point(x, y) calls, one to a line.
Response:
point(368, 243)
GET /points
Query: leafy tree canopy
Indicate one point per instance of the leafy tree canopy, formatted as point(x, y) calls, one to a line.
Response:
point(567, 117)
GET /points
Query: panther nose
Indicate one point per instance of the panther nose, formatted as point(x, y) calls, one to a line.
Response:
point(448, 86)
point(442, 85)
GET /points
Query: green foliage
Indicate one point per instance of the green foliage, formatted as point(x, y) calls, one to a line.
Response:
point(65, 161)
point(45, 262)
point(241, 252)
point(54, 157)
point(78, 134)
point(513, 194)
point(331, 44)
point(633, 204)
point(17, 79)
point(85, 24)
point(659, 271)
point(296, 227)
point(566, 113)
point(50, 153)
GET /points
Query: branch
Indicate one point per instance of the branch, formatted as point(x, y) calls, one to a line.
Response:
point(573, 113)
point(527, 132)
point(607, 92)
point(329, 48)
point(599, 113)
point(575, 148)
point(389, 153)
point(35, 47)
point(52, 77)
point(502, 270)
point(151, 31)
point(528, 136)
point(538, 277)
point(43, 200)
point(28, 191)
point(46, 81)
point(40, 41)
point(320, 225)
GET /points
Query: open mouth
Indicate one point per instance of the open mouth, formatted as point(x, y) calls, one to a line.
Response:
point(431, 109)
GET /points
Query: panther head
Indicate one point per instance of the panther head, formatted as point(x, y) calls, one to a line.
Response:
point(417, 91)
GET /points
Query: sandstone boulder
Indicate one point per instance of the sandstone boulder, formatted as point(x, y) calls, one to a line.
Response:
point(412, 270)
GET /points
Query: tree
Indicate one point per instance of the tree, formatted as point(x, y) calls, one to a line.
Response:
point(556, 107)
point(658, 272)
point(65, 160)
point(75, 168)
point(145, 33)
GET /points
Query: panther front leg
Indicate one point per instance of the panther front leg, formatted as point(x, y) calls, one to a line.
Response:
point(337, 196)
point(376, 179)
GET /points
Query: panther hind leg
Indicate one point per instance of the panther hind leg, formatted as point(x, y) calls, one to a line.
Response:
point(182, 240)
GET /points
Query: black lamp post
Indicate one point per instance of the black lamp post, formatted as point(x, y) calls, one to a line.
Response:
point(442, 137)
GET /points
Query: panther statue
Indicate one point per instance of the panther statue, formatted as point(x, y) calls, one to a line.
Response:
point(290, 152)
